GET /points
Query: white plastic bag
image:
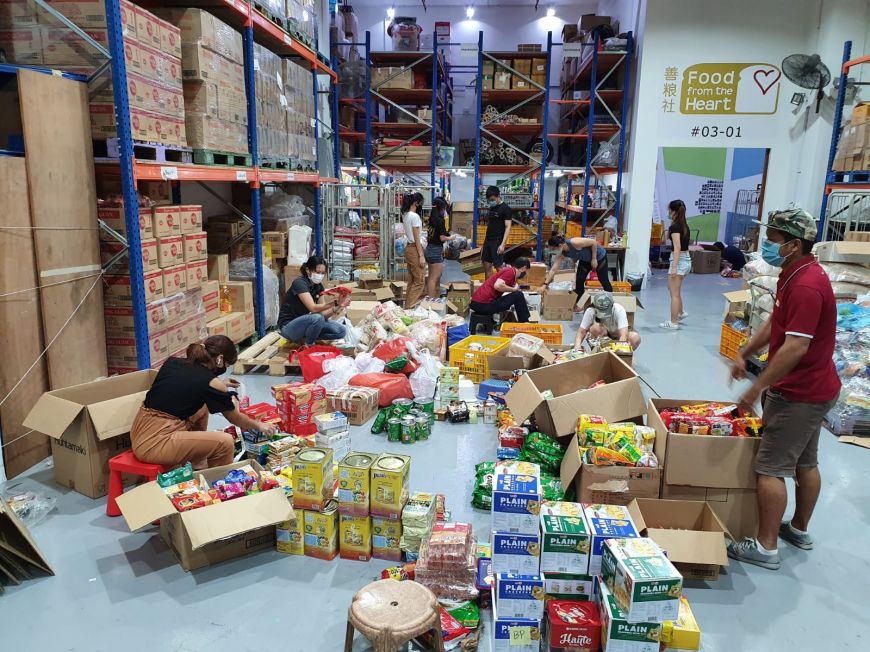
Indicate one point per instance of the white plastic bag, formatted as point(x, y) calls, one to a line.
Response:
point(366, 363)
point(424, 380)
point(351, 334)
point(338, 372)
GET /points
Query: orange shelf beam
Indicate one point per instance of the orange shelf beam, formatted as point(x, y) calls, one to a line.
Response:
point(855, 62)
point(151, 171)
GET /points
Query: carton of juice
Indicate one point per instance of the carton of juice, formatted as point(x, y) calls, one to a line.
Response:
point(312, 478)
point(389, 488)
point(354, 483)
point(321, 532)
point(619, 635)
point(288, 536)
point(355, 537)
point(606, 522)
point(565, 539)
point(644, 582)
point(386, 538)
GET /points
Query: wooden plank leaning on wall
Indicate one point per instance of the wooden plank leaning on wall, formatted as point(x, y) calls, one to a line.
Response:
point(60, 176)
point(21, 338)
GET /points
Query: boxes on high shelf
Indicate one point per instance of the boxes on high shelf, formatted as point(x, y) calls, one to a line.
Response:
point(191, 218)
point(114, 218)
point(197, 273)
point(120, 322)
point(64, 48)
point(174, 280)
point(201, 64)
point(170, 251)
point(199, 26)
point(23, 44)
point(14, 13)
point(147, 27)
point(278, 241)
point(121, 351)
point(207, 132)
point(166, 221)
point(109, 250)
point(145, 125)
point(195, 246)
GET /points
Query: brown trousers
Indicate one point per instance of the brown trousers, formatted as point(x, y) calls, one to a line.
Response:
point(160, 438)
point(416, 275)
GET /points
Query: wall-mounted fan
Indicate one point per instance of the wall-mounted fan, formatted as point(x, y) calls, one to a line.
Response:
point(807, 71)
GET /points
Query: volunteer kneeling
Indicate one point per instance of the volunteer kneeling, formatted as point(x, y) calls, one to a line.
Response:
point(302, 319)
point(501, 292)
point(606, 319)
point(171, 427)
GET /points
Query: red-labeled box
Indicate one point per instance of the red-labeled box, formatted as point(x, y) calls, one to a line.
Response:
point(117, 288)
point(166, 221)
point(195, 246)
point(573, 625)
point(191, 218)
point(121, 350)
point(197, 274)
point(147, 27)
point(211, 299)
point(120, 322)
point(114, 218)
point(170, 251)
point(174, 280)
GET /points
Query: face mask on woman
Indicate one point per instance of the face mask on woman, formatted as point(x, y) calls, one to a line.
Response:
point(317, 278)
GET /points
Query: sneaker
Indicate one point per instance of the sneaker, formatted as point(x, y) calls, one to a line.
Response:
point(670, 326)
point(787, 533)
point(683, 316)
point(747, 551)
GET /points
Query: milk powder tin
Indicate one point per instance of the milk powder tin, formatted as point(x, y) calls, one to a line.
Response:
point(389, 489)
point(354, 483)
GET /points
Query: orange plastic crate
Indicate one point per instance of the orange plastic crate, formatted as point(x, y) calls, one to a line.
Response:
point(730, 342)
point(618, 286)
point(474, 364)
point(550, 333)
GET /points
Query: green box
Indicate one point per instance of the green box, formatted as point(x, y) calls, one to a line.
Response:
point(565, 539)
point(642, 579)
point(619, 635)
point(562, 586)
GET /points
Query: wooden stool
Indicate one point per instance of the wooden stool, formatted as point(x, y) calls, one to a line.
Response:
point(390, 613)
point(476, 322)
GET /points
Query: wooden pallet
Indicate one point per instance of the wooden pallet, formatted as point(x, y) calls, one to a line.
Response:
point(143, 151)
point(217, 157)
point(272, 352)
point(276, 163)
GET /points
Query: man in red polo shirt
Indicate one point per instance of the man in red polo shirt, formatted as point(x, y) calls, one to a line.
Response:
point(501, 292)
point(798, 387)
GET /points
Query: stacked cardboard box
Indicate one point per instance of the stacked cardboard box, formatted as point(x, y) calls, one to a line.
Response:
point(215, 102)
point(301, 20)
point(272, 104)
point(299, 110)
point(174, 268)
point(234, 315)
point(853, 150)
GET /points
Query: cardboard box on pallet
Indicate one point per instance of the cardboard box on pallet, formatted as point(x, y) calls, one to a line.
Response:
point(62, 47)
point(114, 218)
point(197, 273)
point(120, 322)
point(14, 13)
point(145, 125)
point(121, 351)
point(195, 246)
point(219, 326)
point(88, 424)
point(109, 250)
point(116, 288)
point(241, 295)
point(218, 267)
point(191, 218)
point(211, 534)
point(211, 299)
point(199, 26)
point(170, 251)
point(23, 45)
point(718, 470)
point(166, 221)
point(174, 280)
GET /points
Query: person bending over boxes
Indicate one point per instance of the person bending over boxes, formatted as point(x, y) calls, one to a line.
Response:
point(501, 292)
point(302, 318)
point(606, 319)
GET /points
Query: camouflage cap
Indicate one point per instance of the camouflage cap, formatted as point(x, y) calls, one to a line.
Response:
point(794, 221)
point(603, 304)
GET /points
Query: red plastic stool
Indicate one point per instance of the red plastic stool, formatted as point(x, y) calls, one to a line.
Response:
point(126, 462)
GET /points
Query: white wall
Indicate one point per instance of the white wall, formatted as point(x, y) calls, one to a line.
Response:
point(683, 32)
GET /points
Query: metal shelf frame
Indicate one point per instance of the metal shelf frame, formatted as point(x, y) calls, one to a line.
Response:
point(254, 26)
point(844, 191)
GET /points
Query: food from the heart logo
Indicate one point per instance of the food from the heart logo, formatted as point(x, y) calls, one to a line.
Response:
point(730, 89)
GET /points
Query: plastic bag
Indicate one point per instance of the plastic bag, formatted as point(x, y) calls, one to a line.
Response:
point(311, 361)
point(366, 363)
point(32, 507)
point(426, 334)
point(398, 346)
point(390, 386)
point(243, 269)
point(757, 267)
point(338, 370)
point(425, 379)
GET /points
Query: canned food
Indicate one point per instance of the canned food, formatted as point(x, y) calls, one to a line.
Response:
point(424, 427)
point(394, 429)
point(426, 405)
point(409, 430)
point(310, 455)
point(401, 406)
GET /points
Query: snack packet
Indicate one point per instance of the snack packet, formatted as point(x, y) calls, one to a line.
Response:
point(175, 476)
point(602, 456)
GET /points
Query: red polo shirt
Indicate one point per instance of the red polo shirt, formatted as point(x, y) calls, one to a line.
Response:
point(487, 293)
point(805, 307)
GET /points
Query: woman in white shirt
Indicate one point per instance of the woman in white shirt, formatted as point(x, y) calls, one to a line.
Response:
point(415, 259)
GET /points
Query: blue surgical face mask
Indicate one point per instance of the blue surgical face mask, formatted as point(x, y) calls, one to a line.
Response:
point(493, 203)
point(770, 253)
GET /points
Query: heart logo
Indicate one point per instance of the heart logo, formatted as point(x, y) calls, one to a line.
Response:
point(765, 79)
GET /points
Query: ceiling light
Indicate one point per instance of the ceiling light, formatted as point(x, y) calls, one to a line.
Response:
point(391, 13)
point(469, 12)
point(304, 16)
point(551, 12)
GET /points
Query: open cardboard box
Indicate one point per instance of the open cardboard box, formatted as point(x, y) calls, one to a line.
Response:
point(619, 399)
point(689, 531)
point(356, 311)
point(502, 365)
point(214, 533)
point(609, 485)
point(88, 424)
point(719, 470)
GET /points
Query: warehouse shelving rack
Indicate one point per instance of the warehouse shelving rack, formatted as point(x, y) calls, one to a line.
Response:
point(596, 68)
point(438, 98)
point(254, 27)
point(846, 199)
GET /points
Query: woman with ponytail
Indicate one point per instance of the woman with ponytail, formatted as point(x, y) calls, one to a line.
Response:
point(302, 318)
point(681, 262)
point(171, 427)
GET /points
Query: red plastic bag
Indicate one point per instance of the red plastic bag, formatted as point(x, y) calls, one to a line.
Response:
point(390, 386)
point(392, 349)
point(311, 360)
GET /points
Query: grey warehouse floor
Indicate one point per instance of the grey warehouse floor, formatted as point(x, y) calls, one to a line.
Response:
point(120, 591)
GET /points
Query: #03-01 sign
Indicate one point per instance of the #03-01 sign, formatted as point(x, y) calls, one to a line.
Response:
point(719, 101)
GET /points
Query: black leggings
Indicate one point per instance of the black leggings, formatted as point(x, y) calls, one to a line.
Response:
point(515, 300)
point(583, 270)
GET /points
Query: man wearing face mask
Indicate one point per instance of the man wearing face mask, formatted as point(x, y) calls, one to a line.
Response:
point(501, 292)
point(498, 230)
point(797, 388)
point(171, 427)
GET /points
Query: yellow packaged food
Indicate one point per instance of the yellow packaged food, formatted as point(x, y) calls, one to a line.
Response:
point(585, 421)
point(355, 537)
point(682, 633)
point(321, 532)
point(595, 436)
point(602, 456)
point(288, 536)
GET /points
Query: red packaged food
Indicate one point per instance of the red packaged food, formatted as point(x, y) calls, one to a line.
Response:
point(448, 546)
point(400, 573)
point(574, 626)
point(186, 503)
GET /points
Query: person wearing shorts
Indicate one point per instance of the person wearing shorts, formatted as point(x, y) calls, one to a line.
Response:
point(498, 230)
point(681, 263)
point(436, 237)
point(799, 386)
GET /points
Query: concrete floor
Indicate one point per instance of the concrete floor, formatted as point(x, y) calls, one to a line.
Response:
point(116, 590)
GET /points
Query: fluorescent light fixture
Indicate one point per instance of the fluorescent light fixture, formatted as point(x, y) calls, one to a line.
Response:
point(304, 15)
point(469, 12)
point(551, 12)
point(391, 13)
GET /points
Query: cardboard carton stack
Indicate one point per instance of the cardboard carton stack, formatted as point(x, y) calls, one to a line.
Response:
point(235, 314)
point(853, 150)
point(215, 102)
point(174, 265)
point(272, 105)
point(301, 20)
point(299, 116)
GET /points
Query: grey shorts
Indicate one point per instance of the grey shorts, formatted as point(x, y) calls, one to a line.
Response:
point(434, 254)
point(791, 435)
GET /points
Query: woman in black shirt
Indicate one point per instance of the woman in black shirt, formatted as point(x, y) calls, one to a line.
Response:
point(302, 319)
point(436, 236)
point(171, 427)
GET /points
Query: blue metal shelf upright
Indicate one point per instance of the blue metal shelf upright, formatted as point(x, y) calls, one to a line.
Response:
point(855, 183)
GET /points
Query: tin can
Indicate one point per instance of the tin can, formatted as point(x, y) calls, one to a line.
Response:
point(380, 424)
point(426, 405)
point(424, 427)
point(401, 406)
point(409, 430)
point(394, 429)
